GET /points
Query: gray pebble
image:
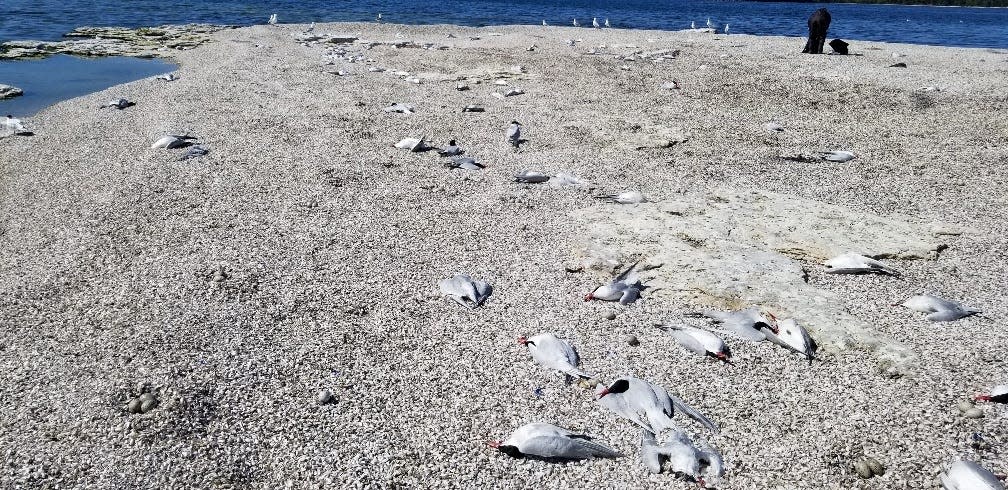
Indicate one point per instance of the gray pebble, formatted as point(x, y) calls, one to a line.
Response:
point(609, 315)
point(632, 339)
point(323, 397)
point(973, 413)
point(965, 405)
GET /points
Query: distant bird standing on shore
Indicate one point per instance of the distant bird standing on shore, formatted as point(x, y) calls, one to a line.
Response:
point(726, 28)
point(514, 134)
point(544, 23)
point(607, 22)
point(709, 24)
point(595, 23)
point(272, 19)
point(378, 19)
point(692, 25)
point(575, 23)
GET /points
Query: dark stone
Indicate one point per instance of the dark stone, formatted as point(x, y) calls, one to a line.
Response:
point(898, 65)
point(818, 24)
point(839, 46)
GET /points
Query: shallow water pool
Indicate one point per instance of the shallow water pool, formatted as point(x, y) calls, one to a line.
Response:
point(48, 81)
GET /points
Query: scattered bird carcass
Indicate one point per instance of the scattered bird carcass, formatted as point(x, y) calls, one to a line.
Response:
point(648, 405)
point(853, 263)
point(699, 341)
point(547, 441)
point(938, 309)
point(554, 353)
point(625, 288)
point(466, 291)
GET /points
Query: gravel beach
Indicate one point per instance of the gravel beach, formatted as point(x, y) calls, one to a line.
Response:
point(267, 315)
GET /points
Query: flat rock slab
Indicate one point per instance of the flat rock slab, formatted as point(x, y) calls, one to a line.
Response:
point(8, 91)
point(144, 42)
point(731, 249)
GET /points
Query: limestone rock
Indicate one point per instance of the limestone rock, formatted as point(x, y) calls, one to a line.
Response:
point(732, 249)
point(8, 91)
point(145, 42)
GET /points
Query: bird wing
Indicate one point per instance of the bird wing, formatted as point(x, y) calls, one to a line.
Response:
point(483, 291)
point(554, 446)
point(597, 449)
point(623, 275)
point(630, 295)
point(693, 413)
point(945, 315)
point(619, 404)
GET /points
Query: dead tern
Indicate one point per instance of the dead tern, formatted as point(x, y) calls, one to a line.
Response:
point(465, 163)
point(647, 405)
point(12, 125)
point(748, 324)
point(412, 144)
point(193, 152)
point(117, 104)
point(542, 440)
point(553, 353)
point(700, 462)
point(852, 263)
point(967, 475)
point(627, 197)
point(400, 108)
point(531, 177)
point(699, 341)
point(938, 309)
point(998, 394)
point(465, 291)
point(625, 288)
point(838, 156)
point(450, 150)
point(791, 335)
point(172, 141)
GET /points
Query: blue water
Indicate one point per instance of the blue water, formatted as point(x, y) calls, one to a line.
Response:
point(945, 26)
point(57, 78)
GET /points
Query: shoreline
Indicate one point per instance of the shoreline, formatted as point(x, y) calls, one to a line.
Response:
point(303, 252)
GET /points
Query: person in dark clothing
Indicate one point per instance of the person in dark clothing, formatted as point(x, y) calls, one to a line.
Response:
point(818, 24)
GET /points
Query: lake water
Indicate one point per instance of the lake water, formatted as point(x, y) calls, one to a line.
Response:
point(57, 78)
point(62, 77)
point(944, 26)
